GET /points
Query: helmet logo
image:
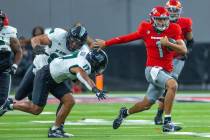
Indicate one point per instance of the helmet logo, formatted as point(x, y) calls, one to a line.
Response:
point(100, 58)
point(82, 32)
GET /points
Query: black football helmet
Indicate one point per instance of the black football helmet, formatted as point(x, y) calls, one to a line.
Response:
point(76, 37)
point(98, 60)
point(2, 17)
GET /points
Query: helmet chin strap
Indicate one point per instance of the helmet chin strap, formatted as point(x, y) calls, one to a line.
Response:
point(71, 49)
point(1, 27)
point(159, 29)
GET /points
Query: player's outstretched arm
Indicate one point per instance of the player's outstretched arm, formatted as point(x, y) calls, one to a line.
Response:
point(40, 40)
point(88, 82)
point(118, 40)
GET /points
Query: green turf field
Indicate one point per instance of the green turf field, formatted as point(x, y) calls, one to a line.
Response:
point(94, 122)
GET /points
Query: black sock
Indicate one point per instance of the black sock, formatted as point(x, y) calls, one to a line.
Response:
point(160, 112)
point(167, 120)
point(125, 112)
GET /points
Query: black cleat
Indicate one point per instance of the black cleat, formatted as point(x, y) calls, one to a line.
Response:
point(65, 133)
point(170, 127)
point(158, 120)
point(118, 121)
point(6, 107)
point(57, 133)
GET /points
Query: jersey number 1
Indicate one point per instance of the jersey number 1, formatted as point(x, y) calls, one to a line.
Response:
point(160, 49)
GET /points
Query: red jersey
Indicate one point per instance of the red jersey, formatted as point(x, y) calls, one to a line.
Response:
point(157, 55)
point(186, 27)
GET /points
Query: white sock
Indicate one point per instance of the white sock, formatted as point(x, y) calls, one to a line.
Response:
point(11, 106)
point(128, 112)
point(54, 127)
point(167, 115)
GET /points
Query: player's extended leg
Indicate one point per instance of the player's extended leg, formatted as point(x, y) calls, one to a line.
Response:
point(26, 86)
point(39, 95)
point(61, 92)
point(28, 106)
point(165, 80)
point(60, 104)
point(158, 120)
point(178, 67)
point(168, 126)
point(25, 106)
point(153, 92)
point(5, 83)
point(67, 104)
point(123, 113)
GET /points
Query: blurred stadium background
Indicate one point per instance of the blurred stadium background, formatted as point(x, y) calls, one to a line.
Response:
point(105, 19)
point(108, 18)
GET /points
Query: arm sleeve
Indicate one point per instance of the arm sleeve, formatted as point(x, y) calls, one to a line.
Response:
point(81, 79)
point(127, 38)
point(123, 39)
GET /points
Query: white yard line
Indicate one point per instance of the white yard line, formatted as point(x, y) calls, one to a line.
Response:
point(205, 135)
point(101, 122)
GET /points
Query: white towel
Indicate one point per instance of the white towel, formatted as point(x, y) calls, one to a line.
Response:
point(154, 72)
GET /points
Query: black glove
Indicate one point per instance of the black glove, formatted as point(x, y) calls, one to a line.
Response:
point(189, 45)
point(52, 57)
point(39, 50)
point(99, 93)
point(13, 69)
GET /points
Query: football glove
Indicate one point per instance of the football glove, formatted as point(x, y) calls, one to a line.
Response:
point(100, 94)
point(39, 50)
point(189, 45)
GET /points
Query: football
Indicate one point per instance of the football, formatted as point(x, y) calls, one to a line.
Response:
point(172, 41)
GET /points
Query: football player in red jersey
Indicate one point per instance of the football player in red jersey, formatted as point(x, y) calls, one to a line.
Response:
point(175, 7)
point(155, 35)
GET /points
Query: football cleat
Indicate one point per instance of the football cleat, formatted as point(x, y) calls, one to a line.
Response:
point(118, 121)
point(6, 107)
point(158, 120)
point(65, 133)
point(57, 133)
point(170, 127)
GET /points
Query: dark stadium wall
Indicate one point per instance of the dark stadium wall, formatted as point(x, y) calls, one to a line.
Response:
point(127, 63)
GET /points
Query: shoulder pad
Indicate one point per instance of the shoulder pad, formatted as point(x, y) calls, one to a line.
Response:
point(144, 25)
point(56, 34)
point(186, 20)
point(59, 30)
point(9, 31)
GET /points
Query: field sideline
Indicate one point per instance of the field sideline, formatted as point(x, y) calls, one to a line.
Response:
point(93, 121)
